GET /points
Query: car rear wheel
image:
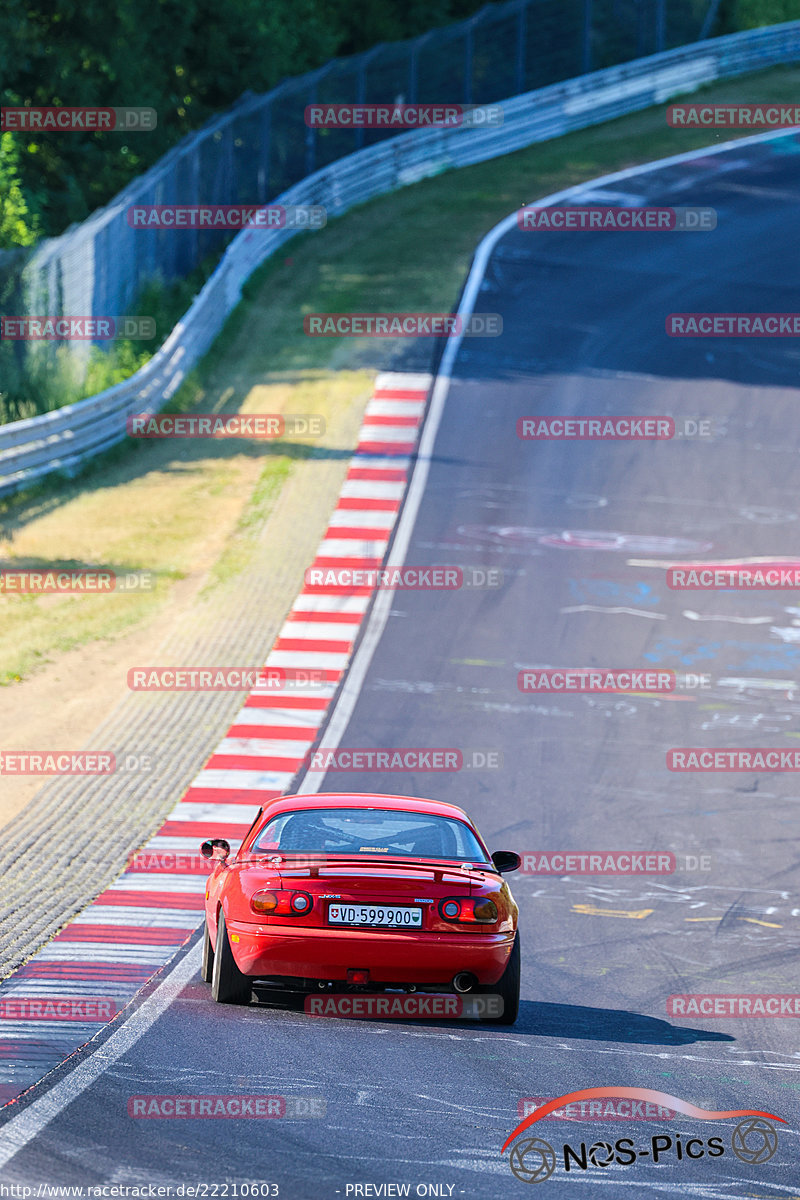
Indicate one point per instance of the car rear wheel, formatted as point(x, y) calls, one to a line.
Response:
point(228, 984)
point(207, 968)
point(508, 988)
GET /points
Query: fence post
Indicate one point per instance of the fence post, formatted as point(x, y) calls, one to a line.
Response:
point(361, 96)
point(587, 36)
point(710, 18)
point(522, 29)
point(661, 25)
point(361, 87)
point(264, 153)
point(311, 137)
point(468, 50)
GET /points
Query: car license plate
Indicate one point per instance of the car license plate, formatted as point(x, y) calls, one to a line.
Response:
point(385, 915)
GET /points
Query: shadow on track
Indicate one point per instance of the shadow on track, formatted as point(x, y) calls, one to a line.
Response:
point(607, 1025)
point(543, 1020)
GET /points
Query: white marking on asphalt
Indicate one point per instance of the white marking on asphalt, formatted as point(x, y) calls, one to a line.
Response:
point(363, 518)
point(715, 562)
point(387, 433)
point(403, 381)
point(776, 685)
point(226, 814)
point(373, 489)
point(234, 780)
point(694, 616)
point(129, 914)
point(158, 881)
point(281, 718)
point(352, 547)
point(165, 845)
point(786, 633)
point(106, 952)
point(395, 408)
point(307, 659)
point(320, 631)
point(357, 605)
point(259, 748)
point(633, 612)
point(322, 690)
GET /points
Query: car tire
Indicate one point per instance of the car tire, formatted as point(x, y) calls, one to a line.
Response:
point(507, 988)
point(228, 984)
point(207, 967)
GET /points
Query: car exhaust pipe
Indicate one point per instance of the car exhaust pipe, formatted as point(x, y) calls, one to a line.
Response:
point(464, 982)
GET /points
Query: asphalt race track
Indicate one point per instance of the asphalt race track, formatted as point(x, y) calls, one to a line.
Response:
point(581, 534)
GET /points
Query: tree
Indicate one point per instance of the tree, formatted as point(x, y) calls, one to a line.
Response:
point(18, 227)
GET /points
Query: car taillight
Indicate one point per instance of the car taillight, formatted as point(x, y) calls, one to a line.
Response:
point(281, 903)
point(472, 910)
point(264, 902)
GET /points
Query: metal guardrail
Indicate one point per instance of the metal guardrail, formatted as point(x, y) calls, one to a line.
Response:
point(65, 439)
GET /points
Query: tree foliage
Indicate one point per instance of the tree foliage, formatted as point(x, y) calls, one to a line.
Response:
point(188, 59)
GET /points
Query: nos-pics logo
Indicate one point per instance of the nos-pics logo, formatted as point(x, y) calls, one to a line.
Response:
point(754, 1139)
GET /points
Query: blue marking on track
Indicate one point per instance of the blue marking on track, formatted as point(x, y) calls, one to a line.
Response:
point(755, 656)
point(587, 591)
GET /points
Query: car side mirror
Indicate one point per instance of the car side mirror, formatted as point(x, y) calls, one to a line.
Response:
point(216, 848)
point(506, 860)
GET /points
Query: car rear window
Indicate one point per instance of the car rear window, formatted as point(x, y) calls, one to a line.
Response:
point(368, 831)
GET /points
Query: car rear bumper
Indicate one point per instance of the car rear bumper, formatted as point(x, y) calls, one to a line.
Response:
point(421, 958)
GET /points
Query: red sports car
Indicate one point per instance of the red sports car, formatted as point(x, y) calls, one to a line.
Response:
point(343, 892)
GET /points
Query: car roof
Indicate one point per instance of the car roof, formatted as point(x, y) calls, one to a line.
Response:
point(437, 808)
